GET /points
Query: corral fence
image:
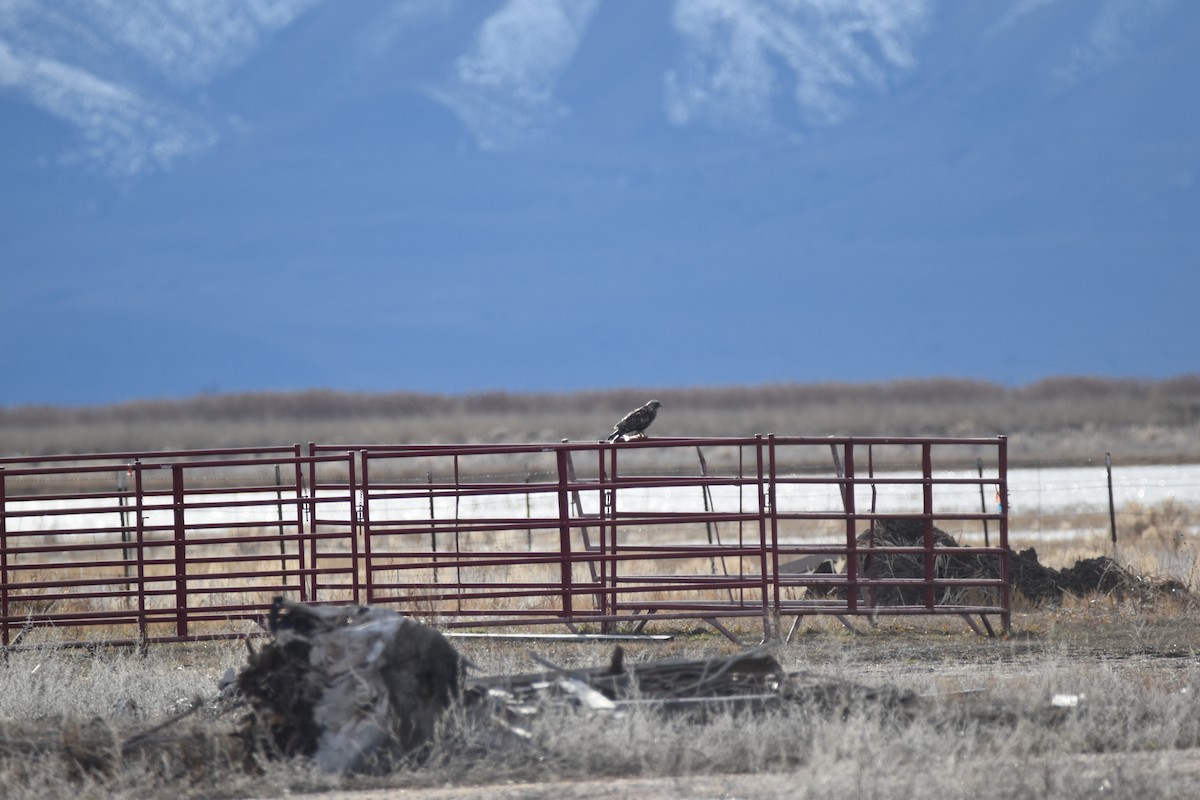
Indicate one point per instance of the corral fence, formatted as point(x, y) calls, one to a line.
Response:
point(138, 548)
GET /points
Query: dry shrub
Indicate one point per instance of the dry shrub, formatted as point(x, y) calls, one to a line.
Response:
point(1168, 525)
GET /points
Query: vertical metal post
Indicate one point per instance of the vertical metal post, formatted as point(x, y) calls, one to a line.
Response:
point(847, 484)
point(298, 479)
point(1002, 490)
point(741, 529)
point(3, 561)
point(768, 553)
point(313, 554)
point(982, 502)
point(602, 597)
point(564, 533)
point(369, 566)
point(177, 504)
point(927, 522)
point(613, 530)
point(354, 583)
point(1112, 509)
point(773, 499)
point(139, 521)
point(310, 511)
point(459, 589)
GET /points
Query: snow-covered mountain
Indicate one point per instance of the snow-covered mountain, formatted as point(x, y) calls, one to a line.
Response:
point(206, 195)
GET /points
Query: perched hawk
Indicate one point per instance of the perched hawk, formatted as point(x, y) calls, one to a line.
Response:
point(635, 422)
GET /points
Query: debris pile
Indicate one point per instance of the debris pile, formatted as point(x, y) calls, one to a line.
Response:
point(1040, 584)
point(353, 688)
point(349, 686)
point(753, 681)
point(1100, 575)
point(946, 564)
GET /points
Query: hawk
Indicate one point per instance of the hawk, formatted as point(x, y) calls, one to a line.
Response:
point(635, 422)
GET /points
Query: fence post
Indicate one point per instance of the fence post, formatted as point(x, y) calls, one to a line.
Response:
point(771, 600)
point(298, 469)
point(606, 599)
point(847, 486)
point(1112, 510)
point(308, 509)
point(177, 502)
point(313, 516)
point(458, 551)
point(927, 524)
point(354, 520)
point(564, 533)
point(1002, 490)
point(139, 522)
point(368, 565)
point(3, 560)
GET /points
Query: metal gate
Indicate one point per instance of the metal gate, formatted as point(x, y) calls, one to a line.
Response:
point(604, 536)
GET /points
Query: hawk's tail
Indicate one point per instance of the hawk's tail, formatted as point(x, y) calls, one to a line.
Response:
point(613, 436)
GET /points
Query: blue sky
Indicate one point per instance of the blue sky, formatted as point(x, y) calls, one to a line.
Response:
point(543, 195)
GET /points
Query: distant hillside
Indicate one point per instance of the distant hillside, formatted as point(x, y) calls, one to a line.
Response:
point(1056, 419)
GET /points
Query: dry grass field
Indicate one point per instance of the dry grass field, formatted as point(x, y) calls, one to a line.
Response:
point(1058, 419)
point(1096, 697)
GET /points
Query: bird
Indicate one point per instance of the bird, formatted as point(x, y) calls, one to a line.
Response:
point(635, 422)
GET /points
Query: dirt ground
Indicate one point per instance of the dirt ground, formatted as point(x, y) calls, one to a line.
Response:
point(906, 656)
point(1101, 771)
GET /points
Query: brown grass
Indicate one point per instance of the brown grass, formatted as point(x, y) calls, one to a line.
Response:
point(986, 726)
point(1060, 418)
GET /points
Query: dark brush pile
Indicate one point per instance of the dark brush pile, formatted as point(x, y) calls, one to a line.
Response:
point(1100, 575)
point(1038, 583)
point(947, 563)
